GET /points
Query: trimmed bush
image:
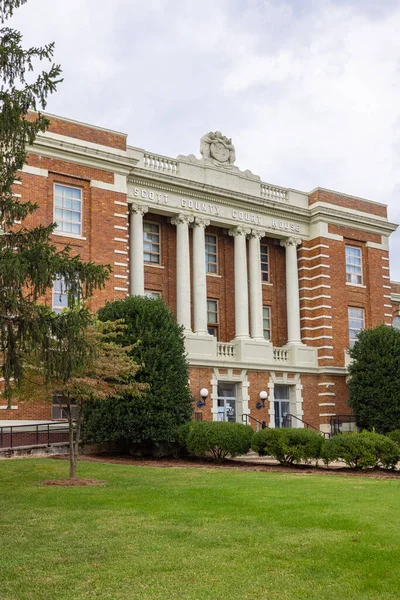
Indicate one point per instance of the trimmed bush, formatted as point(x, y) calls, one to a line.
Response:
point(288, 446)
point(394, 436)
point(183, 433)
point(362, 450)
point(219, 438)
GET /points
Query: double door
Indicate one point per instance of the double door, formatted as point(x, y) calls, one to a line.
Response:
point(282, 406)
point(227, 402)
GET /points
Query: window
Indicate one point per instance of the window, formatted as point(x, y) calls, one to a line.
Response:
point(60, 295)
point(356, 323)
point(267, 322)
point(212, 317)
point(59, 408)
point(353, 265)
point(151, 243)
point(68, 209)
point(396, 322)
point(264, 250)
point(211, 254)
point(151, 294)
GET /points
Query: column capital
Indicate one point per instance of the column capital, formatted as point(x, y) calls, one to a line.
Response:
point(257, 233)
point(291, 241)
point(240, 230)
point(182, 218)
point(200, 222)
point(140, 209)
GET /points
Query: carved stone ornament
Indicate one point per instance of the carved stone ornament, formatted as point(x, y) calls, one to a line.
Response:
point(291, 241)
point(218, 149)
point(240, 230)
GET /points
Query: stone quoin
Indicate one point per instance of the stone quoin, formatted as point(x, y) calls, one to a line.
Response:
point(271, 284)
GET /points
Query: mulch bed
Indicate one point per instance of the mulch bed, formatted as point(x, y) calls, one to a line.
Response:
point(75, 482)
point(236, 465)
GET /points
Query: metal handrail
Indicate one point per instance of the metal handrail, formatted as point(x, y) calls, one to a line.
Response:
point(257, 421)
point(308, 425)
point(36, 429)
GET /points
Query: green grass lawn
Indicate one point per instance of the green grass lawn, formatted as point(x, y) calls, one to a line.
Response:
point(196, 534)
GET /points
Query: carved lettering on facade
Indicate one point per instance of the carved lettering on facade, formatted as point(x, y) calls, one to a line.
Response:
point(285, 225)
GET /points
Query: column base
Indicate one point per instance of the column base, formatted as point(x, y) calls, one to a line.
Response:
point(201, 346)
point(302, 355)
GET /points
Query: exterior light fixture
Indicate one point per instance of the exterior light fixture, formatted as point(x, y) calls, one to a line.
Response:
point(203, 394)
point(263, 397)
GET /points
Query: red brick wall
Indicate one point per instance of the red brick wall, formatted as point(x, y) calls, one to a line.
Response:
point(88, 133)
point(344, 201)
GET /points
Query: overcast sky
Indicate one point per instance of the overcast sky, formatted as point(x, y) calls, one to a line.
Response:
point(309, 90)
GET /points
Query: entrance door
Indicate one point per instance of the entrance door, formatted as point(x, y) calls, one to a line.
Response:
point(226, 402)
point(282, 406)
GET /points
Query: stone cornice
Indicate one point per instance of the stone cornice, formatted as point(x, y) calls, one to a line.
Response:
point(192, 189)
point(82, 155)
point(336, 216)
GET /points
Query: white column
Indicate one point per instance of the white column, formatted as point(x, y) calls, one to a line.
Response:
point(256, 303)
point(292, 290)
point(136, 266)
point(199, 275)
point(183, 270)
point(241, 288)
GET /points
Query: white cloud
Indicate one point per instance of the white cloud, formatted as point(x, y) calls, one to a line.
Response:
point(309, 91)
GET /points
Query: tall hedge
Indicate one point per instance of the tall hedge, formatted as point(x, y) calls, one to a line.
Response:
point(159, 349)
point(374, 384)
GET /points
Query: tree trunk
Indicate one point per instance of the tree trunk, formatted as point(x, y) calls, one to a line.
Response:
point(72, 457)
point(77, 435)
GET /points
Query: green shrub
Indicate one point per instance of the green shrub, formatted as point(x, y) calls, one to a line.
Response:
point(394, 436)
point(219, 438)
point(288, 446)
point(362, 450)
point(183, 433)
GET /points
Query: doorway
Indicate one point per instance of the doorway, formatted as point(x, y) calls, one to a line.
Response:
point(282, 406)
point(227, 399)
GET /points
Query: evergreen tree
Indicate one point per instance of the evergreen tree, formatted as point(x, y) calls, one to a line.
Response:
point(160, 351)
point(29, 262)
point(374, 384)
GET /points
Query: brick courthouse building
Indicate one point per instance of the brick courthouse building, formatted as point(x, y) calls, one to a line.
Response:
point(270, 284)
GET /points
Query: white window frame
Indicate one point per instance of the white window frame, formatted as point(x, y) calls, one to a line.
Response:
point(354, 278)
point(148, 262)
point(268, 263)
point(353, 339)
point(216, 312)
point(270, 323)
point(60, 293)
point(152, 294)
point(216, 254)
point(58, 230)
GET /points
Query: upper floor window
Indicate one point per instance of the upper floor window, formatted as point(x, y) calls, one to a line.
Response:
point(60, 295)
point(212, 317)
point(211, 254)
point(68, 209)
point(264, 250)
point(267, 322)
point(151, 242)
point(353, 265)
point(396, 322)
point(356, 323)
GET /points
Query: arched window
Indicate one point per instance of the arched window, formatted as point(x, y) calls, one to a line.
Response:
point(396, 322)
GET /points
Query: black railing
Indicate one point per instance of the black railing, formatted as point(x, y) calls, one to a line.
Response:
point(343, 424)
point(288, 422)
point(33, 434)
point(247, 418)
